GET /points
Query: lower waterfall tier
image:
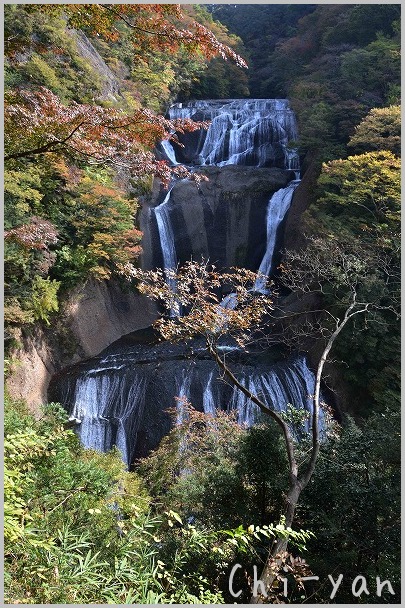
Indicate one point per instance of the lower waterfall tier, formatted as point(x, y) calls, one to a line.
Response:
point(121, 397)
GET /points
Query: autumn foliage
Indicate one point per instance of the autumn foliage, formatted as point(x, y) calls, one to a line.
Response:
point(76, 160)
point(162, 27)
point(36, 234)
point(212, 303)
point(37, 122)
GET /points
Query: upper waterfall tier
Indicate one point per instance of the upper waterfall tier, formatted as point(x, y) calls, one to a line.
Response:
point(250, 132)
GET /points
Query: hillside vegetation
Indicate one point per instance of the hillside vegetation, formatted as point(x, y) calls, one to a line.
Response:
point(86, 88)
point(83, 92)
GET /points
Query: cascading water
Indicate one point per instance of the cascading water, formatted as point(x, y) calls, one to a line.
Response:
point(117, 397)
point(252, 132)
point(277, 209)
point(167, 242)
point(209, 399)
point(248, 132)
point(106, 410)
point(162, 215)
point(120, 397)
point(183, 390)
point(169, 151)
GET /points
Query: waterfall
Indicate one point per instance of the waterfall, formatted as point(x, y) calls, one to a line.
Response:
point(167, 242)
point(277, 386)
point(107, 411)
point(162, 215)
point(183, 392)
point(121, 398)
point(255, 132)
point(209, 401)
point(292, 384)
point(169, 151)
point(282, 384)
point(276, 211)
point(248, 414)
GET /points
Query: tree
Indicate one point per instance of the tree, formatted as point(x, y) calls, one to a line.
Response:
point(37, 123)
point(37, 234)
point(347, 69)
point(261, 29)
point(220, 474)
point(219, 80)
point(353, 503)
point(360, 197)
point(89, 231)
point(156, 26)
point(92, 538)
point(159, 27)
point(217, 471)
point(197, 291)
point(60, 126)
point(358, 205)
point(379, 130)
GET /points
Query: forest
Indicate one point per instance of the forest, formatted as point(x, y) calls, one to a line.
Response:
point(302, 505)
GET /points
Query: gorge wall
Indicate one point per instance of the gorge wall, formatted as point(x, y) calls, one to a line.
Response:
point(92, 316)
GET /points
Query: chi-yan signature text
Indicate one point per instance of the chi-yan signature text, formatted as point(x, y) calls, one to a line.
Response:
point(359, 585)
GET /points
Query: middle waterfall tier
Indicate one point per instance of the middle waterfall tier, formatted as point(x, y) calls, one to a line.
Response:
point(233, 219)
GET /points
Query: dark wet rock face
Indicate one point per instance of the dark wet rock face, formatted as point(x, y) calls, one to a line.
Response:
point(223, 219)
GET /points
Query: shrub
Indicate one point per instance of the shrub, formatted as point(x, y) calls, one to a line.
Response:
point(44, 300)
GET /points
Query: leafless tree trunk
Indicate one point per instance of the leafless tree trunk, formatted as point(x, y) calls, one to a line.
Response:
point(299, 482)
point(307, 272)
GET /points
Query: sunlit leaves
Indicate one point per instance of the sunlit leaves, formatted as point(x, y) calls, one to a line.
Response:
point(37, 123)
point(103, 238)
point(152, 27)
point(20, 450)
point(210, 302)
point(44, 299)
point(365, 189)
point(379, 130)
point(155, 26)
point(22, 190)
point(342, 272)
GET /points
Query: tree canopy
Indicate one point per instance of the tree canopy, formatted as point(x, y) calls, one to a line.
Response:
point(379, 130)
point(334, 62)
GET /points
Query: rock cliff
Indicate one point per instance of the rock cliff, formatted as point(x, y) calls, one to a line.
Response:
point(92, 317)
point(222, 219)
